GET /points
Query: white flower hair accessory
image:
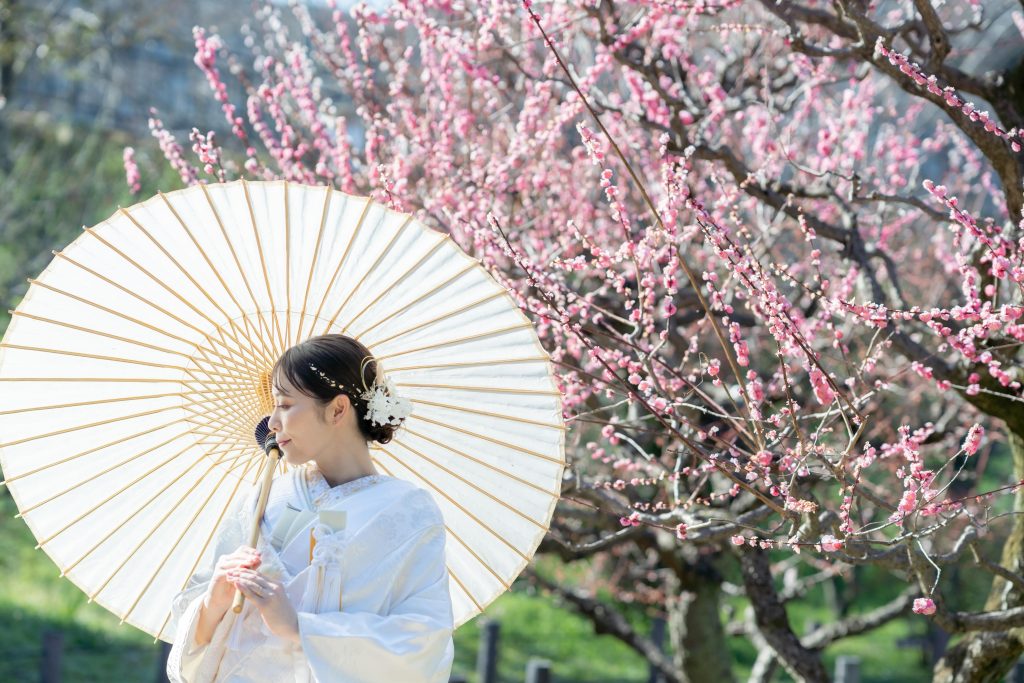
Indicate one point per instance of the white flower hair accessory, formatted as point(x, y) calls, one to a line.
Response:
point(383, 404)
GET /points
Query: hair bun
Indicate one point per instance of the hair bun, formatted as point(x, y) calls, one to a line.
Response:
point(382, 434)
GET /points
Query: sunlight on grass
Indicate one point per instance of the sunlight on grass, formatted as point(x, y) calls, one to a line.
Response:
point(531, 626)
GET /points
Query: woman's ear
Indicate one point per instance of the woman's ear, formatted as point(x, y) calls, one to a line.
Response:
point(338, 407)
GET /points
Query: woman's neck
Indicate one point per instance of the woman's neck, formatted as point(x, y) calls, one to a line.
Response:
point(341, 468)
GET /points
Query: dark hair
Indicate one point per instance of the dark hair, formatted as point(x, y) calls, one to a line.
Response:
point(340, 358)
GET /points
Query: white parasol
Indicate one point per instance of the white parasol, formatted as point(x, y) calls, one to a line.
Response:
point(136, 367)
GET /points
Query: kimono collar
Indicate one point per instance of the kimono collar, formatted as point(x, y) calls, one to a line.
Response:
point(323, 494)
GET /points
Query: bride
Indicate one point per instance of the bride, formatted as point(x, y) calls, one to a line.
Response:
point(348, 581)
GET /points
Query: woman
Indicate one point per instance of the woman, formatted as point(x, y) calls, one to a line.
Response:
point(348, 582)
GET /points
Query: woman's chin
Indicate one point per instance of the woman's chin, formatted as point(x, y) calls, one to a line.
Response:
point(291, 457)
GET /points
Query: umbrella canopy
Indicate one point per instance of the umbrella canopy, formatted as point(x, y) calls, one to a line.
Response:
point(136, 367)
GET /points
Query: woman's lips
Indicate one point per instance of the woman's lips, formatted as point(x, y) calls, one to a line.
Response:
point(282, 444)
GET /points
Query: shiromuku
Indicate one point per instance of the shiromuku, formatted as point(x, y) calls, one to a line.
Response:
point(348, 581)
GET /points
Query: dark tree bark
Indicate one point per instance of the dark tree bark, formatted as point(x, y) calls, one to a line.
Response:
point(802, 663)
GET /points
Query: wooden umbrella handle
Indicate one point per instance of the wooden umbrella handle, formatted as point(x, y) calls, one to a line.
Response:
point(254, 534)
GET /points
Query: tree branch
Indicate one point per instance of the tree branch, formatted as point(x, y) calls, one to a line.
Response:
point(822, 637)
point(606, 620)
point(773, 622)
point(962, 622)
point(937, 37)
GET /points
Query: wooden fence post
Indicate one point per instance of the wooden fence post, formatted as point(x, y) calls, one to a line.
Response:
point(847, 669)
point(658, 636)
point(487, 654)
point(161, 660)
point(53, 651)
point(1016, 673)
point(538, 670)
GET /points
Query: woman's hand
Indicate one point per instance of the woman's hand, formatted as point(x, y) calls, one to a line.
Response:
point(271, 600)
point(222, 591)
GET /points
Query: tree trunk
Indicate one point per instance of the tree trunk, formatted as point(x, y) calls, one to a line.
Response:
point(801, 663)
point(699, 645)
point(988, 657)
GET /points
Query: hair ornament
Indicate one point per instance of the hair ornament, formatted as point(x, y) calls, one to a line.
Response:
point(383, 405)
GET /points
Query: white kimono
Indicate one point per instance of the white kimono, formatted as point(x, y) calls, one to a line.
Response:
point(373, 604)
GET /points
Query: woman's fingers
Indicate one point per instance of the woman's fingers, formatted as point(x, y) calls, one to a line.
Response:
point(243, 554)
point(236, 561)
point(248, 574)
point(252, 577)
point(251, 585)
point(235, 566)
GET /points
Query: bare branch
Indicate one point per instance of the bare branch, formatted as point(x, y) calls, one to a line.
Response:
point(607, 620)
point(874, 196)
point(569, 551)
point(962, 622)
point(860, 623)
point(937, 36)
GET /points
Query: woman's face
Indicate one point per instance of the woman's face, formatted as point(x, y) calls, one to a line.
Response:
point(302, 424)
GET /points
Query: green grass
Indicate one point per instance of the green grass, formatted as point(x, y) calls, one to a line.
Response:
point(881, 660)
point(531, 626)
point(33, 600)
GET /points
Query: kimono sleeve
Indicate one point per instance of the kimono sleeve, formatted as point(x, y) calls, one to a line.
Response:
point(412, 643)
point(188, 662)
